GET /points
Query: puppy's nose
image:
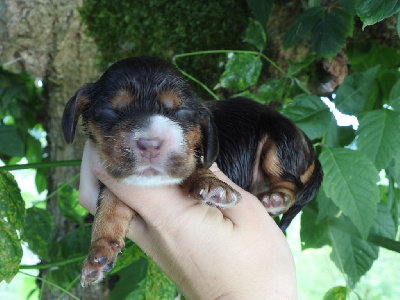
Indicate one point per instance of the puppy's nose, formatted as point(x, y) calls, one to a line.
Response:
point(149, 148)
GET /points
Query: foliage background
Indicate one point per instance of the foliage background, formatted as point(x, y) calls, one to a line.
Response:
point(356, 213)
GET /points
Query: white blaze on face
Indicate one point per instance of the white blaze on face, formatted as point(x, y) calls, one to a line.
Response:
point(151, 172)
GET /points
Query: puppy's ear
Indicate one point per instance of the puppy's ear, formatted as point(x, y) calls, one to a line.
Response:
point(210, 138)
point(72, 111)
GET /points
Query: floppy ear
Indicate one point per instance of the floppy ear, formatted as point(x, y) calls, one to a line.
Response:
point(72, 111)
point(210, 138)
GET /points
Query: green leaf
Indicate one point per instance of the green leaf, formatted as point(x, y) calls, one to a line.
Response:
point(336, 293)
point(156, 285)
point(350, 181)
point(241, 71)
point(374, 11)
point(69, 205)
point(271, 91)
point(261, 10)
point(349, 6)
point(255, 35)
point(326, 208)
point(41, 179)
point(352, 255)
point(352, 94)
point(10, 251)
point(296, 66)
point(12, 206)
point(379, 136)
point(10, 141)
point(130, 255)
point(384, 224)
point(394, 97)
point(395, 171)
point(303, 24)
point(330, 32)
point(34, 149)
point(71, 245)
point(128, 280)
point(328, 27)
point(339, 136)
point(310, 114)
point(313, 234)
point(38, 231)
point(398, 25)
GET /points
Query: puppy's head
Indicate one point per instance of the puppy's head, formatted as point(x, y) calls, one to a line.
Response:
point(146, 124)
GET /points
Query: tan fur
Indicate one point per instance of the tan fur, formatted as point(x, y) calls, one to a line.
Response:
point(170, 100)
point(271, 164)
point(122, 99)
point(307, 174)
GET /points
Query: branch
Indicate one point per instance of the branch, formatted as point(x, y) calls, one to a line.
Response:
point(52, 164)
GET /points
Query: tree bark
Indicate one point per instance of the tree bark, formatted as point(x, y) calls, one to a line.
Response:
point(46, 38)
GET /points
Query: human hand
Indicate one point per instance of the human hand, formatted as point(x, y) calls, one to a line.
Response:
point(235, 253)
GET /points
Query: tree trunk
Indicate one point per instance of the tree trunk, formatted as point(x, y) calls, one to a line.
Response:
point(46, 38)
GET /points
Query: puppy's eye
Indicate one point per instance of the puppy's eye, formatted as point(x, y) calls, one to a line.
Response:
point(106, 114)
point(185, 114)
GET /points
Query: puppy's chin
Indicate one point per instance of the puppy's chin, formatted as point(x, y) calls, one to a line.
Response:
point(147, 180)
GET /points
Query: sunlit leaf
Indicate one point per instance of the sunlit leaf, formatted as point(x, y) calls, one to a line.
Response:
point(336, 293)
point(156, 285)
point(241, 71)
point(10, 251)
point(350, 181)
point(12, 206)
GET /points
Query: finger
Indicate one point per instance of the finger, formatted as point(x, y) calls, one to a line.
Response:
point(89, 184)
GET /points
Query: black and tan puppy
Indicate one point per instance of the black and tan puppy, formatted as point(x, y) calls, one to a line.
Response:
point(149, 129)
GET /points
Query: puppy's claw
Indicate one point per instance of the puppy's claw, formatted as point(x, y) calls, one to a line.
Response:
point(215, 193)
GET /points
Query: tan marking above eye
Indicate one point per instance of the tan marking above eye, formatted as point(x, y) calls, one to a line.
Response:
point(122, 99)
point(307, 174)
point(170, 99)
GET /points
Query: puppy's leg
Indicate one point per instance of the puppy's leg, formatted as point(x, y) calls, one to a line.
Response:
point(205, 187)
point(276, 193)
point(109, 229)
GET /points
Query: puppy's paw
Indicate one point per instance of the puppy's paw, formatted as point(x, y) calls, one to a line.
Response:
point(214, 192)
point(276, 203)
point(101, 259)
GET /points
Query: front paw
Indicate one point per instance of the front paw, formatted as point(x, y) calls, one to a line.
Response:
point(101, 259)
point(214, 192)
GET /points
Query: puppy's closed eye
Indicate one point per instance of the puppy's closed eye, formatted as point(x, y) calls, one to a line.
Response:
point(186, 115)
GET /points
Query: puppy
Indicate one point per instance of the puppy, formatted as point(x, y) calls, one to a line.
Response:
point(149, 129)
